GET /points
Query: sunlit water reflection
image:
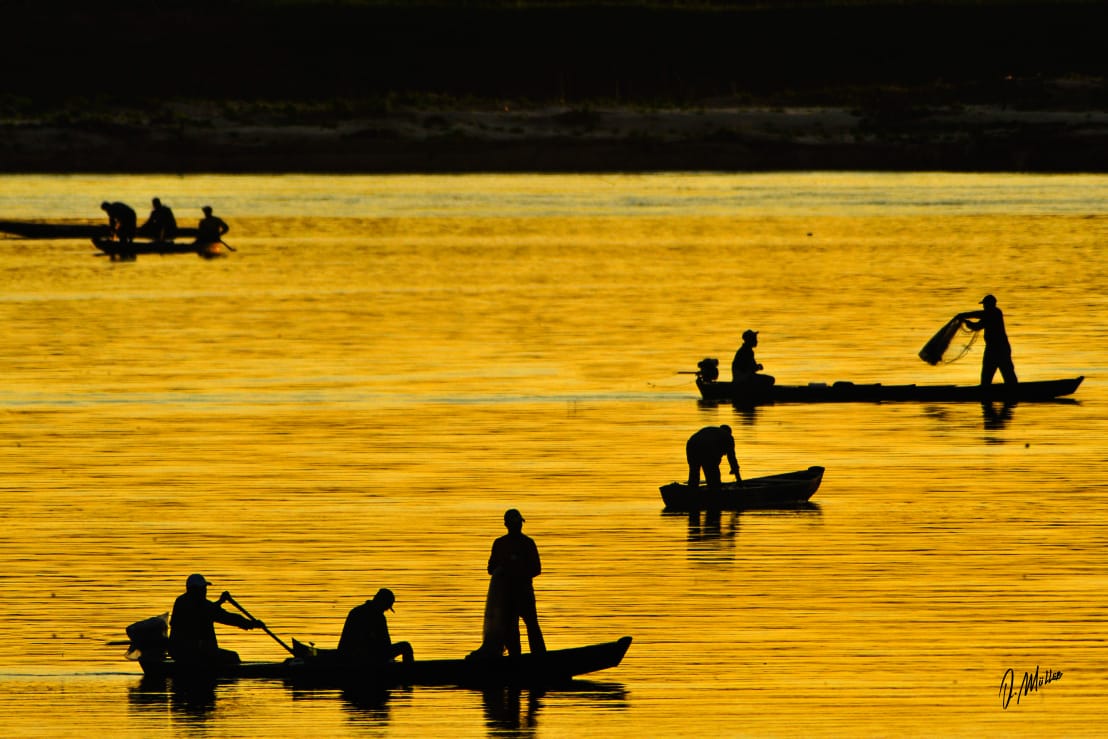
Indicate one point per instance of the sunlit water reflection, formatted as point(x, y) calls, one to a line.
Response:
point(353, 398)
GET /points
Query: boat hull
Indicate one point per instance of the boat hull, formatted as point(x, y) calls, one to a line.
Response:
point(526, 670)
point(787, 490)
point(849, 392)
point(125, 252)
point(44, 230)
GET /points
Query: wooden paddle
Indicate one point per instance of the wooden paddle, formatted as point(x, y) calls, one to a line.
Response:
point(227, 597)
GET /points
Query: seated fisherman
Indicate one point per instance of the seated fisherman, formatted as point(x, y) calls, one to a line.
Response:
point(365, 639)
point(192, 640)
point(744, 368)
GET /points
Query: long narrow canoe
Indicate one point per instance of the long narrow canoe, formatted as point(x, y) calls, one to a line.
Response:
point(849, 392)
point(773, 491)
point(117, 250)
point(526, 670)
point(43, 230)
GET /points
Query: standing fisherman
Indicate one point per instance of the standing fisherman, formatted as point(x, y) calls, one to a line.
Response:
point(998, 352)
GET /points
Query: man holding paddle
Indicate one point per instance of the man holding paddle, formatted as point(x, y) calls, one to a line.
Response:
point(192, 640)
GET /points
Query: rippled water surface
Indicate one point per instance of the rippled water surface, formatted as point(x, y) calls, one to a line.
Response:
point(384, 364)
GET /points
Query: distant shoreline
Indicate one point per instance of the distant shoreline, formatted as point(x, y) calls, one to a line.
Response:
point(570, 139)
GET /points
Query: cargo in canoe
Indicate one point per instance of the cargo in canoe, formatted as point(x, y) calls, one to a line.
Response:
point(785, 490)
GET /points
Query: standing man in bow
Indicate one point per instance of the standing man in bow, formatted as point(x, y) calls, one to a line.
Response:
point(515, 560)
point(998, 352)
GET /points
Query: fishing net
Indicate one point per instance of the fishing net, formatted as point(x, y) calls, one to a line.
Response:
point(934, 350)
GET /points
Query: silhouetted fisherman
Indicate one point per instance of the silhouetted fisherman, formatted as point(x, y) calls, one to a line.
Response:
point(365, 640)
point(705, 450)
point(192, 641)
point(211, 228)
point(998, 352)
point(513, 564)
point(161, 225)
point(121, 220)
point(745, 369)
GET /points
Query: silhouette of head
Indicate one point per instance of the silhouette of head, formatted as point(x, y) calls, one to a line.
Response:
point(157, 203)
point(105, 205)
point(513, 518)
point(384, 598)
point(196, 582)
point(207, 210)
point(726, 429)
point(988, 300)
point(750, 337)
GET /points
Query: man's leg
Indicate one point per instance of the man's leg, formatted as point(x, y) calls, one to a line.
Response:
point(711, 476)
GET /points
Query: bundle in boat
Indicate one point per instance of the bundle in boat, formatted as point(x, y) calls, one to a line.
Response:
point(932, 352)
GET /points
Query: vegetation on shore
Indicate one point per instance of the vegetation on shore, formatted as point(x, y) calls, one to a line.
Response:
point(160, 75)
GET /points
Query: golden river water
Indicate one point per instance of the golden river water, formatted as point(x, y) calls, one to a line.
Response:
point(385, 364)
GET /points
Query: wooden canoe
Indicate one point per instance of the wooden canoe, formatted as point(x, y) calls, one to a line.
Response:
point(849, 392)
point(117, 250)
point(527, 670)
point(44, 230)
point(785, 490)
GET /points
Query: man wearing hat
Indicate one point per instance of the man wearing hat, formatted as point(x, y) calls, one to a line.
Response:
point(515, 559)
point(998, 352)
point(192, 640)
point(365, 639)
point(705, 450)
point(744, 368)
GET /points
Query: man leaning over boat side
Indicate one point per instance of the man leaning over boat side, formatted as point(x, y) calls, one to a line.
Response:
point(192, 640)
point(365, 640)
point(211, 228)
point(161, 225)
point(121, 220)
point(998, 351)
point(705, 450)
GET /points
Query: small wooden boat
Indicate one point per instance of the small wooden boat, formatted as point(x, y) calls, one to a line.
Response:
point(120, 251)
point(319, 667)
point(849, 392)
point(786, 490)
point(44, 230)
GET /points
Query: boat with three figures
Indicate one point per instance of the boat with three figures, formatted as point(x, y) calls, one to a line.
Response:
point(310, 665)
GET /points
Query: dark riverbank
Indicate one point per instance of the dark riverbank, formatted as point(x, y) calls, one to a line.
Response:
point(573, 140)
point(298, 85)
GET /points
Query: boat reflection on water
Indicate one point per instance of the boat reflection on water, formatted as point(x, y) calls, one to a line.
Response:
point(715, 525)
point(745, 413)
point(193, 701)
point(505, 709)
point(509, 710)
point(996, 415)
point(367, 704)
